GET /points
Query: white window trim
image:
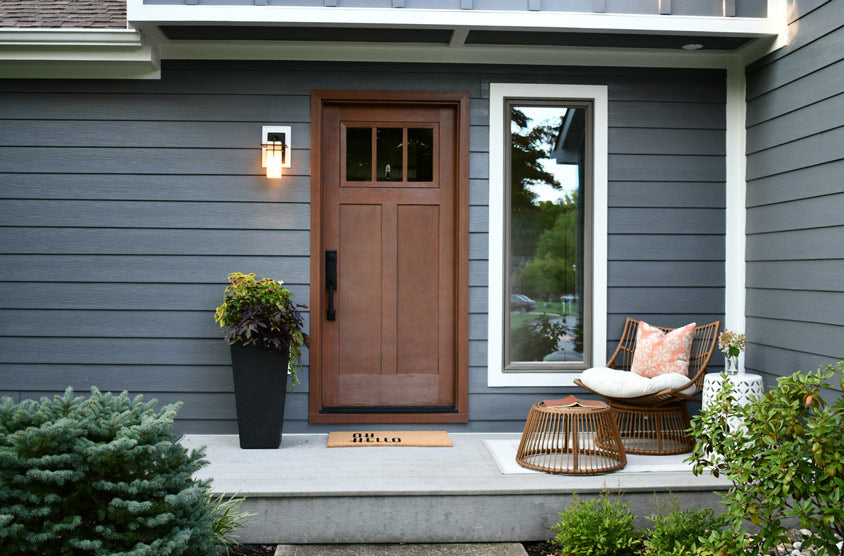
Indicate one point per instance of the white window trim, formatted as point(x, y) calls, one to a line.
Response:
point(498, 92)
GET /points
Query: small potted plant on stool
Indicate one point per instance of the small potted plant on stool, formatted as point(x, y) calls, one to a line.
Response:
point(264, 328)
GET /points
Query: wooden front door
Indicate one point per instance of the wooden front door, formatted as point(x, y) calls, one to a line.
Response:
point(389, 257)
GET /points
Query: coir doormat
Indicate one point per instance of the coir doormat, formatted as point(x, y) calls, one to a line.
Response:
point(345, 439)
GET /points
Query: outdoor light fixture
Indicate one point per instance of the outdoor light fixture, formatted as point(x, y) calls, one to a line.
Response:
point(275, 147)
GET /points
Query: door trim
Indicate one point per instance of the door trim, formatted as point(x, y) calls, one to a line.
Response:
point(460, 101)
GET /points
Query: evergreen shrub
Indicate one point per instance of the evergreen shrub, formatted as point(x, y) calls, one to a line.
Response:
point(101, 475)
point(596, 527)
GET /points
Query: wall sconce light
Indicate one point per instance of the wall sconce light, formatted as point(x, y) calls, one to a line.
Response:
point(275, 149)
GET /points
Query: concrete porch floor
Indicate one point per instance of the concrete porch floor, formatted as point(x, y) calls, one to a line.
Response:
point(306, 493)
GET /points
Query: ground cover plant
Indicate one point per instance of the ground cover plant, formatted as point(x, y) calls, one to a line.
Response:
point(785, 460)
point(101, 475)
point(600, 526)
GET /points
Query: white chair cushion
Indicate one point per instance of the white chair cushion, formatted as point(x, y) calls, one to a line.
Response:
point(624, 384)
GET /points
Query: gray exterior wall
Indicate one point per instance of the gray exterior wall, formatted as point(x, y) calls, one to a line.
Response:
point(795, 196)
point(123, 206)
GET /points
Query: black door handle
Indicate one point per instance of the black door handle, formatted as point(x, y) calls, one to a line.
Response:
point(331, 282)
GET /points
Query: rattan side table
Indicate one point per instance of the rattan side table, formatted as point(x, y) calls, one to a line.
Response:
point(578, 437)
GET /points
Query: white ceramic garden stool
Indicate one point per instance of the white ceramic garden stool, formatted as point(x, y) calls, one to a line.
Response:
point(746, 386)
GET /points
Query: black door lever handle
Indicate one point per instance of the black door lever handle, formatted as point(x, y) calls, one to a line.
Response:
point(331, 282)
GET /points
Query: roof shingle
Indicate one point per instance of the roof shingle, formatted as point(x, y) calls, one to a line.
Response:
point(69, 14)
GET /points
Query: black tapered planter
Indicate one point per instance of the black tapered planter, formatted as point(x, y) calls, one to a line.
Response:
point(260, 386)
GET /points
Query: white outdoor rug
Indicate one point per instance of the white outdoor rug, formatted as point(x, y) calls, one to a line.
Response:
point(503, 452)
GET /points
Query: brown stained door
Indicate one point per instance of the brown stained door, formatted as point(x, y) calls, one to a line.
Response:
point(389, 209)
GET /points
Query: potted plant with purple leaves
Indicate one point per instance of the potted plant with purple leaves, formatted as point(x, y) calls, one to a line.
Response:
point(264, 328)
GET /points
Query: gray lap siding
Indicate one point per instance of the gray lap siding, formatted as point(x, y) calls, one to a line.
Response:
point(124, 204)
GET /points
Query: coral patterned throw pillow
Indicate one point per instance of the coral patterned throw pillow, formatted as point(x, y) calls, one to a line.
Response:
point(658, 353)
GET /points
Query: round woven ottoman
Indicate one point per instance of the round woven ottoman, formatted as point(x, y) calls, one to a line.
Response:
point(578, 437)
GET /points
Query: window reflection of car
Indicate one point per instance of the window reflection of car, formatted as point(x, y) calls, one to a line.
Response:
point(520, 302)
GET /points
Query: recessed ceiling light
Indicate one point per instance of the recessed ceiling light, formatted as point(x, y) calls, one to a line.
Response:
point(692, 46)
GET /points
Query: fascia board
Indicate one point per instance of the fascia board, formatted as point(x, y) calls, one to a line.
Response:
point(139, 14)
point(77, 54)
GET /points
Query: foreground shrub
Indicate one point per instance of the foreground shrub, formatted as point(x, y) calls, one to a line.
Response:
point(786, 460)
point(679, 532)
point(596, 527)
point(101, 475)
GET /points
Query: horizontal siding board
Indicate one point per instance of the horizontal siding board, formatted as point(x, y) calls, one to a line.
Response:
point(665, 221)
point(666, 194)
point(479, 138)
point(667, 300)
point(133, 241)
point(799, 61)
point(776, 361)
point(158, 134)
point(160, 106)
point(479, 165)
point(813, 88)
point(817, 275)
point(806, 306)
point(615, 324)
point(135, 378)
point(682, 115)
point(478, 192)
point(809, 151)
point(671, 247)
point(815, 181)
point(799, 214)
point(477, 353)
point(497, 407)
point(162, 269)
point(159, 188)
point(811, 337)
point(814, 244)
point(127, 297)
point(112, 324)
point(805, 122)
point(115, 160)
point(665, 168)
point(477, 327)
point(114, 351)
point(667, 141)
point(478, 219)
point(664, 274)
point(478, 297)
point(15, 396)
point(154, 214)
point(478, 246)
point(815, 19)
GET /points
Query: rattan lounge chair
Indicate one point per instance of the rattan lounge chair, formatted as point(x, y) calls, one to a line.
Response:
point(657, 423)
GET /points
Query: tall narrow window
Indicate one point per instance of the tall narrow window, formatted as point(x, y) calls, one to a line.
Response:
point(547, 318)
point(547, 267)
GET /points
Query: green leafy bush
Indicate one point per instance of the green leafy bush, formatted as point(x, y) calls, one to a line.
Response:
point(785, 461)
point(261, 313)
point(596, 527)
point(101, 475)
point(679, 532)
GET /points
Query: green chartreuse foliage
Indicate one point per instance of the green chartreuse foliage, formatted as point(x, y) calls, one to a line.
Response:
point(261, 313)
point(786, 460)
point(99, 475)
point(596, 527)
point(681, 532)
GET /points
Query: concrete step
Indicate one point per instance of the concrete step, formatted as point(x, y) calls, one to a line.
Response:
point(444, 549)
point(306, 493)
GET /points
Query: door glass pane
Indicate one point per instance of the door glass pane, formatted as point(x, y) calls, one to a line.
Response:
point(358, 154)
point(546, 236)
point(420, 154)
point(389, 148)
